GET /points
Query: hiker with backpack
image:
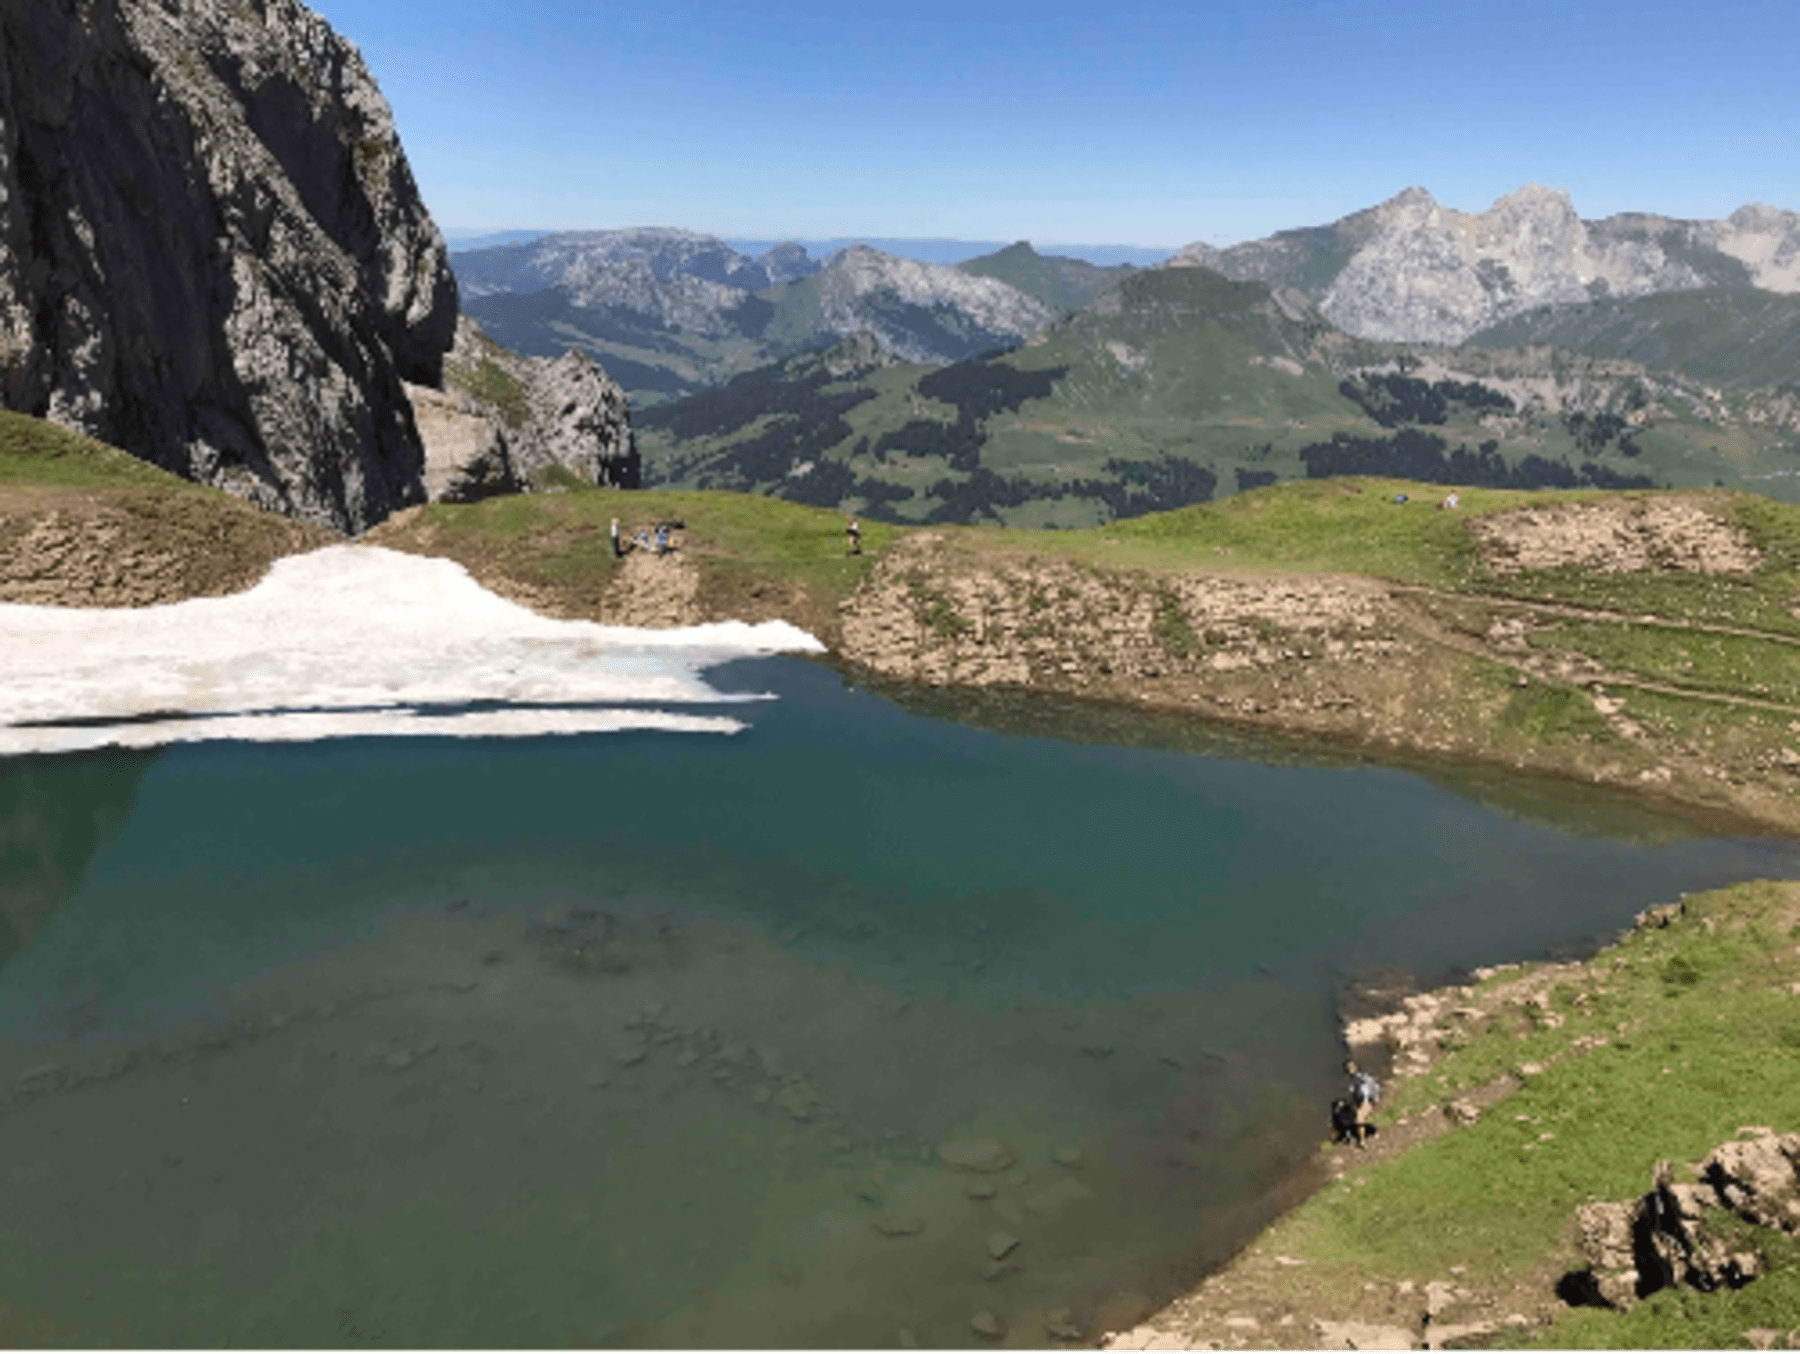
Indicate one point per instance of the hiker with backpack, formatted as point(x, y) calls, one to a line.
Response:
point(1360, 1099)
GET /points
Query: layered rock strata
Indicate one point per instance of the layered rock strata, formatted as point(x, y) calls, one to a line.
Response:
point(212, 251)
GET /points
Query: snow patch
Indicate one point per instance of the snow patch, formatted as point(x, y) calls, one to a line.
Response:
point(353, 641)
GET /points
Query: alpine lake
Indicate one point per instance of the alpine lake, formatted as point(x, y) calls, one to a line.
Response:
point(888, 1010)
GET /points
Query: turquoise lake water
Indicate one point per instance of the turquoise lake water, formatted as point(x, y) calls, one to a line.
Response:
point(651, 1039)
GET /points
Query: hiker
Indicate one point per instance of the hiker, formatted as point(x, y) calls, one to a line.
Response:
point(617, 549)
point(853, 536)
point(1363, 1093)
point(662, 538)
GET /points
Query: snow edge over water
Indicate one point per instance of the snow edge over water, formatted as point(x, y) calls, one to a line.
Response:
point(354, 641)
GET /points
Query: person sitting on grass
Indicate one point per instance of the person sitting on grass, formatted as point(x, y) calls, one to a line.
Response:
point(1363, 1093)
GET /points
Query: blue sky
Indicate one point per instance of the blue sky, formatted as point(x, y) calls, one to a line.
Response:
point(1132, 123)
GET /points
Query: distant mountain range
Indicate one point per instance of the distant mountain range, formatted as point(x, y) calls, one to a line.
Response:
point(1413, 271)
point(669, 312)
point(1521, 346)
point(901, 247)
point(1179, 384)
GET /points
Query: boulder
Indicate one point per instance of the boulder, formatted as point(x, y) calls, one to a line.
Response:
point(1758, 1178)
point(987, 1326)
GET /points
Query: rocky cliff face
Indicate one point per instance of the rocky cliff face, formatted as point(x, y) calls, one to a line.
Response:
point(1411, 270)
point(504, 423)
point(212, 252)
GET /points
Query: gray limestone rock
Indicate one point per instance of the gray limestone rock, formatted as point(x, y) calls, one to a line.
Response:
point(212, 251)
point(564, 415)
point(1758, 1178)
point(1412, 270)
point(466, 456)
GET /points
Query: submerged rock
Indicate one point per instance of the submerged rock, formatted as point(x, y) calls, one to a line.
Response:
point(1061, 1324)
point(898, 1224)
point(984, 1155)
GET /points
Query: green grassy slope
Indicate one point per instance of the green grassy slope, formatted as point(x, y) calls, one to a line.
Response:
point(1659, 1048)
point(85, 524)
point(35, 452)
point(1738, 339)
point(1065, 284)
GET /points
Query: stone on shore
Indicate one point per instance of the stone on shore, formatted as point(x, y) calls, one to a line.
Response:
point(1362, 1335)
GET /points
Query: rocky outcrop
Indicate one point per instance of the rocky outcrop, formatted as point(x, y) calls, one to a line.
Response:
point(1671, 1236)
point(506, 422)
point(577, 420)
point(212, 252)
point(1412, 270)
point(466, 456)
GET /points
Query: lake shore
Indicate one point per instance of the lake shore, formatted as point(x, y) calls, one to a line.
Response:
point(1503, 1116)
point(1318, 611)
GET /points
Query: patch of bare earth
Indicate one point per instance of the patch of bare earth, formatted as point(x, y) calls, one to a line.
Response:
point(1615, 537)
point(137, 546)
point(654, 591)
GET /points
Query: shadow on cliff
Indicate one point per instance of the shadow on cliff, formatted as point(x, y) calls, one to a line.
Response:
point(55, 815)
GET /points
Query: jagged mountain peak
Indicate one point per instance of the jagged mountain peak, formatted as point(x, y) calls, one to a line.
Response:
point(1411, 197)
point(1413, 270)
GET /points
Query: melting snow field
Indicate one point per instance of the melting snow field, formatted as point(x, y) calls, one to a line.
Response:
point(352, 641)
